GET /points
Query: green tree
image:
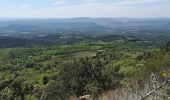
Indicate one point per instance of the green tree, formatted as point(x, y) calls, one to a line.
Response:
point(45, 80)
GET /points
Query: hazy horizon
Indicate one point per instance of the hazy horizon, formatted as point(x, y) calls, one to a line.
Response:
point(25, 18)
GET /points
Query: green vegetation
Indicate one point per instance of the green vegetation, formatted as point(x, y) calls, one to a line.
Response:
point(89, 66)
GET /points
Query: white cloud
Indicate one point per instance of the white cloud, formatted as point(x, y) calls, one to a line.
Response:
point(103, 10)
point(59, 2)
point(89, 1)
point(131, 2)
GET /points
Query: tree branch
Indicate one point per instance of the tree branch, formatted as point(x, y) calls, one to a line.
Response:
point(151, 92)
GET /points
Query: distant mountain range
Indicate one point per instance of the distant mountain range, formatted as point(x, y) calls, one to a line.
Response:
point(82, 23)
point(15, 26)
point(27, 32)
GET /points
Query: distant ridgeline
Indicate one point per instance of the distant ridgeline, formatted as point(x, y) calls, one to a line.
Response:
point(47, 32)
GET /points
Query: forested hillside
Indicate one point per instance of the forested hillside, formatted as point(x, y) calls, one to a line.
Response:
point(92, 58)
point(104, 67)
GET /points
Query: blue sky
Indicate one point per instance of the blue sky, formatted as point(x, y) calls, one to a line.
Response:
point(84, 8)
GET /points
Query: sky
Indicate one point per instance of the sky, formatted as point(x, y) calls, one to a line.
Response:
point(84, 8)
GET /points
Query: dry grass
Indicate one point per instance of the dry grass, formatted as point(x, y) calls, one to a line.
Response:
point(84, 54)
